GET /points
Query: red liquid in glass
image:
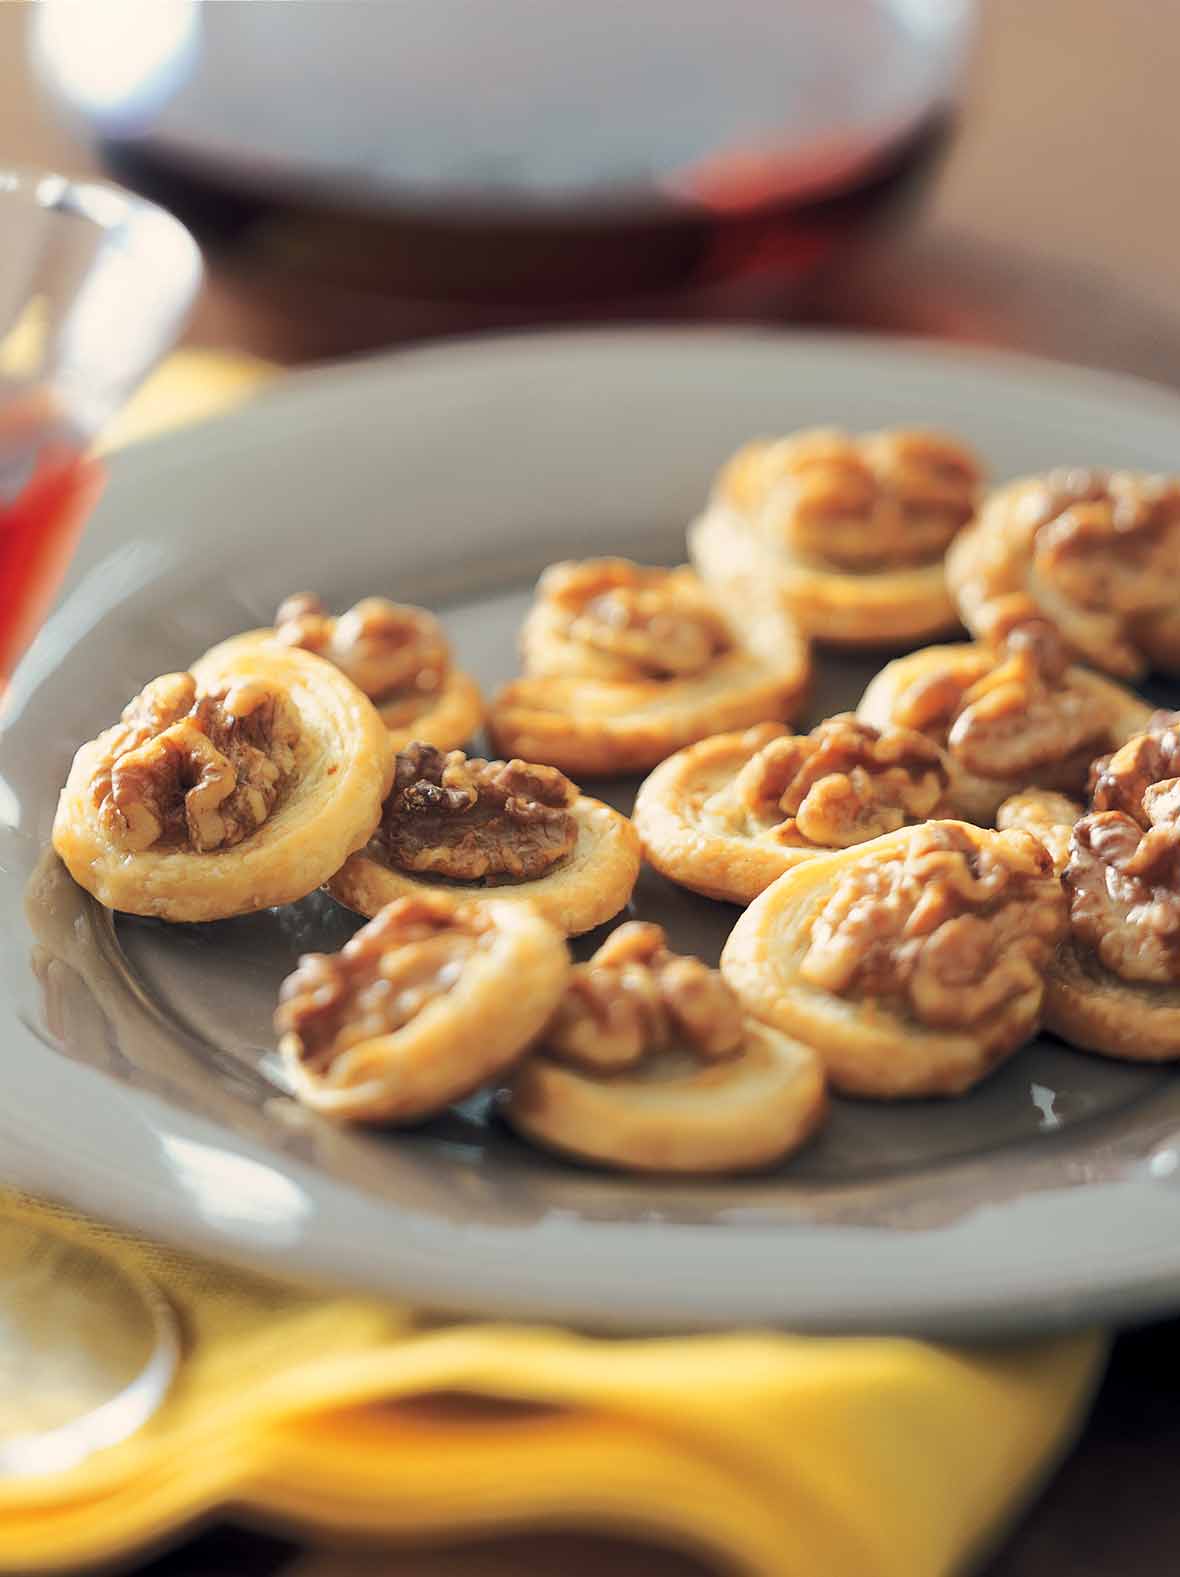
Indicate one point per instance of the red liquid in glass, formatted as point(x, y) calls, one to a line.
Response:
point(38, 532)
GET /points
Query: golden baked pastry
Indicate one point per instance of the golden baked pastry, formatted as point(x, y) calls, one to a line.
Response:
point(506, 830)
point(913, 964)
point(1049, 816)
point(1095, 552)
point(848, 534)
point(1014, 716)
point(243, 784)
point(1115, 985)
point(398, 655)
point(429, 1001)
point(729, 815)
point(650, 1065)
point(623, 665)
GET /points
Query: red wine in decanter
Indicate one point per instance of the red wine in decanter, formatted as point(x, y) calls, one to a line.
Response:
point(39, 529)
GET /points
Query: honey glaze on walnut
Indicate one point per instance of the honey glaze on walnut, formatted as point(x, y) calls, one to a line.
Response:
point(1123, 875)
point(843, 783)
point(393, 652)
point(1017, 715)
point(202, 770)
point(948, 929)
point(635, 999)
point(411, 954)
point(1105, 550)
point(888, 499)
point(471, 820)
point(659, 624)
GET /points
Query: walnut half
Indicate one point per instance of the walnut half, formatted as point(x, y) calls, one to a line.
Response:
point(1123, 876)
point(951, 927)
point(890, 498)
point(204, 770)
point(1017, 716)
point(658, 623)
point(384, 647)
point(842, 783)
point(634, 998)
point(470, 819)
point(412, 953)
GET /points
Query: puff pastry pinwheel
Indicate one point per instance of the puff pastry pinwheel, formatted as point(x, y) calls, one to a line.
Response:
point(1095, 552)
point(508, 830)
point(432, 999)
point(241, 785)
point(650, 1065)
point(1115, 985)
point(729, 815)
point(1014, 716)
point(913, 964)
point(397, 654)
point(623, 665)
point(848, 534)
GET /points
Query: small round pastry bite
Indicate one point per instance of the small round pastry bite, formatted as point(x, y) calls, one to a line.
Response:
point(914, 964)
point(1095, 552)
point(650, 1065)
point(624, 665)
point(241, 785)
point(1115, 985)
point(1049, 816)
point(848, 534)
point(398, 655)
point(726, 817)
point(507, 830)
point(1013, 716)
point(432, 999)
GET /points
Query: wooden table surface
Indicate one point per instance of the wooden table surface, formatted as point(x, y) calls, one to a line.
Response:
point(1053, 227)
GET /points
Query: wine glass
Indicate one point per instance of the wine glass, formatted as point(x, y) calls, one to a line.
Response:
point(94, 287)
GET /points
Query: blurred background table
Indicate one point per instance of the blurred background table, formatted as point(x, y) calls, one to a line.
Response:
point(1053, 227)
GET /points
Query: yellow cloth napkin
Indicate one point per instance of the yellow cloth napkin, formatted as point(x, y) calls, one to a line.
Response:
point(779, 1456)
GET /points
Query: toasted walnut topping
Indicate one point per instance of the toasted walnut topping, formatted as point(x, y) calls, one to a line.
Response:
point(384, 647)
point(1048, 816)
point(950, 928)
point(468, 818)
point(413, 952)
point(1008, 715)
point(206, 770)
point(889, 498)
point(661, 623)
point(1102, 550)
point(634, 997)
point(1124, 887)
point(1120, 781)
point(843, 783)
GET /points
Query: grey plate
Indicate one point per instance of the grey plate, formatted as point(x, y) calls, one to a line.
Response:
point(138, 1073)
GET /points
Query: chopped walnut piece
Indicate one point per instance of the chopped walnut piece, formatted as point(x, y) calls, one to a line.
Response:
point(843, 783)
point(413, 952)
point(634, 998)
point(1120, 781)
point(468, 819)
point(660, 623)
point(206, 770)
point(1049, 816)
point(384, 647)
point(1009, 714)
point(949, 928)
point(890, 498)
